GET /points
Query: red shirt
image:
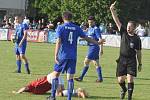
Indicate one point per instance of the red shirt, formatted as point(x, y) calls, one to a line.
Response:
point(39, 86)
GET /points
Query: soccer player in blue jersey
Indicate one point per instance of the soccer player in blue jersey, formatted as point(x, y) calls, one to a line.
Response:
point(66, 52)
point(93, 50)
point(20, 44)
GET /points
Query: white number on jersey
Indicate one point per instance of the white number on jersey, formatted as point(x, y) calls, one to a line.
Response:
point(70, 38)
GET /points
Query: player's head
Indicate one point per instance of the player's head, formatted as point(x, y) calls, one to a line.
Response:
point(131, 27)
point(82, 93)
point(67, 16)
point(18, 19)
point(91, 20)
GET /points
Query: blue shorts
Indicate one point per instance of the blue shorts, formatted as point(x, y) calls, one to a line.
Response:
point(93, 52)
point(66, 65)
point(20, 50)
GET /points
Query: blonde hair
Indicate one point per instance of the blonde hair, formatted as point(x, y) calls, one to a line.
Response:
point(80, 90)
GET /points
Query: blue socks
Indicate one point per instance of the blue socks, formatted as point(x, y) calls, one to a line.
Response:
point(85, 69)
point(99, 72)
point(70, 88)
point(54, 87)
point(27, 68)
point(98, 69)
point(18, 62)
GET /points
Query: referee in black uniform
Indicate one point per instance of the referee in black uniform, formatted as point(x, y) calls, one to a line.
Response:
point(130, 53)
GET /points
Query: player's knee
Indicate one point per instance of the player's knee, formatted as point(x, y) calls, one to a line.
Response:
point(86, 62)
point(70, 76)
point(55, 74)
point(121, 79)
point(18, 57)
point(96, 63)
point(23, 57)
point(130, 79)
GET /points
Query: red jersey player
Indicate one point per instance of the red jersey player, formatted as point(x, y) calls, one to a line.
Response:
point(43, 85)
point(39, 86)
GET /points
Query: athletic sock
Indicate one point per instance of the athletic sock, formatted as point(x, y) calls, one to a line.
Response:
point(123, 86)
point(99, 72)
point(130, 90)
point(18, 62)
point(85, 69)
point(54, 87)
point(27, 68)
point(70, 88)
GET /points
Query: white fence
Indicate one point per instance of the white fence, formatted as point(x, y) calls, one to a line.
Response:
point(114, 41)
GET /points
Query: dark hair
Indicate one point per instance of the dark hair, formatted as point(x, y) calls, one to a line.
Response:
point(91, 18)
point(133, 22)
point(67, 15)
point(19, 16)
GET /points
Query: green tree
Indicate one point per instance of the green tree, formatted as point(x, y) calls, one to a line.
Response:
point(134, 10)
point(127, 9)
point(80, 8)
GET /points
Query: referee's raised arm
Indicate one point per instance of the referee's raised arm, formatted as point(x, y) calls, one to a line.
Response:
point(114, 15)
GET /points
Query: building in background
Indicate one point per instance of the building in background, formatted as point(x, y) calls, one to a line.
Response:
point(12, 8)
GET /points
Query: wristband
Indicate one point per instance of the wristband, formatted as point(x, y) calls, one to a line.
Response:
point(140, 64)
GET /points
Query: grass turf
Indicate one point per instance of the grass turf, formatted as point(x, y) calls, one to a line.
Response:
point(41, 60)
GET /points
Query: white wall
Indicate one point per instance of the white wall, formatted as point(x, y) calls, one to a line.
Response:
point(14, 4)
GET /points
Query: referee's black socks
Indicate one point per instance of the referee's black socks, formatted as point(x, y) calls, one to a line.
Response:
point(123, 86)
point(130, 90)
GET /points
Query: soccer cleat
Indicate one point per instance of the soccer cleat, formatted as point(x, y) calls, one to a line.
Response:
point(78, 79)
point(129, 98)
point(50, 98)
point(99, 81)
point(122, 94)
point(28, 71)
point(17, 71)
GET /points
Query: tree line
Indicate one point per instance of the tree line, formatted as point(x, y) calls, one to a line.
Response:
point(126, 9)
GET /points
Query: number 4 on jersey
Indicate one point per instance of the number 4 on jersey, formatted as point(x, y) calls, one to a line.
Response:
point(70, 38)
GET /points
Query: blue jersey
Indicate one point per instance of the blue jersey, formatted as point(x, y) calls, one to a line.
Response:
point(94, 33)
point(68, 33)
point(20, 32)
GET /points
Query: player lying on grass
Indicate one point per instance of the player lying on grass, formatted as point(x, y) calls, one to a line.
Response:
point(43, 85)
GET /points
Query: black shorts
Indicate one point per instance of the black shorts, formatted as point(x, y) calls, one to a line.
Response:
point(126, 66)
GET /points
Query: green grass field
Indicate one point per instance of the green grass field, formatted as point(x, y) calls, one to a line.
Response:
point(41, 59)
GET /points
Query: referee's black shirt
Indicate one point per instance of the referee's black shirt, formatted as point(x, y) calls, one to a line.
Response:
point(129, 44)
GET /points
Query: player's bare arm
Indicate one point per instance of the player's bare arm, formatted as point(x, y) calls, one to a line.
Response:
point(81, 39)
point(24, 37)
point(58, 43)
point(101, 46)
point(114, 15)
point(102, 41)
point(139, 58)
point(21, 90)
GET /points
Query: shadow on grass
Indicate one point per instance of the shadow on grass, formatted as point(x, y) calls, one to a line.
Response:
point(93, 97)
point(136, 78)
point(39, 74)
point(101, 98)
point(143, 84)
point(103, 77)
point(110, 77)
point(47, 94)
point(143, 78)
point(24, 73)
